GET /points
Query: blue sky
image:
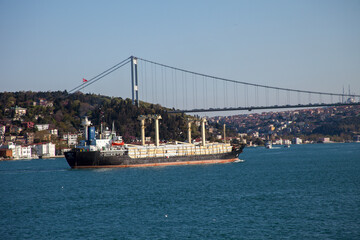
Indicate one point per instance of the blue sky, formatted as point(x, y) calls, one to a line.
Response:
point(52, 45)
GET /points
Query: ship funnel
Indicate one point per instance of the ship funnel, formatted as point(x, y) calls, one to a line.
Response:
point(86, 123)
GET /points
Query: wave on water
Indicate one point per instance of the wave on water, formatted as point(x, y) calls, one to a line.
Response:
point(14, 171)
point(103, 169)
point(239, 160)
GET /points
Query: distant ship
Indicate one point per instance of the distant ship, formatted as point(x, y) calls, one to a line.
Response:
point(268, 145)
point(110, 151)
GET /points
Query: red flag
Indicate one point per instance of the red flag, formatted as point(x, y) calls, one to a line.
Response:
point(84, 80)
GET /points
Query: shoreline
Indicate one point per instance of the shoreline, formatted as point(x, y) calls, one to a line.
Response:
point(33, 158)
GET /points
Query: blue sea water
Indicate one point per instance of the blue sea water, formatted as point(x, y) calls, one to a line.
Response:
point(302, 192)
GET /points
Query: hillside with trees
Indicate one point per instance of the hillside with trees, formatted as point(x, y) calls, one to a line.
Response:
point(64, 111)
point(339, 123)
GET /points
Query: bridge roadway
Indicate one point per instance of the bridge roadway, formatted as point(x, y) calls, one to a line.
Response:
point(264, 107)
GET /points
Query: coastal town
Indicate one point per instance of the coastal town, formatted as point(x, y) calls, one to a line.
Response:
point(303, 126)
point(21, 139)
point(25, 134)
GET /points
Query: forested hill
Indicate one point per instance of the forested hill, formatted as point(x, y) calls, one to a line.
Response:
point(64, 111)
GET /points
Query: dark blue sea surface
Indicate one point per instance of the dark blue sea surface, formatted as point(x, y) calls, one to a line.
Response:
point(302, 192)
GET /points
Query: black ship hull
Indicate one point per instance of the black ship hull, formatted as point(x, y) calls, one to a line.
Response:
point(97, 159)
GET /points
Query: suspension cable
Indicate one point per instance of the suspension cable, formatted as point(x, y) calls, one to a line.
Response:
point(101, 75)
point(246, 83)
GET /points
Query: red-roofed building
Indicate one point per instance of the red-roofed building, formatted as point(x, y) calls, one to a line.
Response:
point(28, 124)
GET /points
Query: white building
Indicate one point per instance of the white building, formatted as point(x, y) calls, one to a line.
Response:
point(41, 127)
point(18, 151)
point(22, 151)
point(19, 111)
point(71, 138)
point(325, 140)
point(45, 150)
point(297, 141)
point(255, 134)
point(242, 134)
point(2, 129)
point(53, 132)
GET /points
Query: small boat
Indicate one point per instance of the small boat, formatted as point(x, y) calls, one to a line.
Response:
point(268, 145)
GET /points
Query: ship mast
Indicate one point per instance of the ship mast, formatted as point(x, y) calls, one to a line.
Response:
point(203, 120)
point(142, 118)
point(142, 123)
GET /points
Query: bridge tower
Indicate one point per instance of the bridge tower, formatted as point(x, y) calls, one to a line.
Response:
point(134, 81)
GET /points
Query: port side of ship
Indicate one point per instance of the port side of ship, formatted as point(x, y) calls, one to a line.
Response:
point(121, 158)
point(109, 151)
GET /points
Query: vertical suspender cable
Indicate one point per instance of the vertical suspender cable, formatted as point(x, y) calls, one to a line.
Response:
point(176, 90)
point(152, 84)
point(206, 94)
point(234, 99)
point(166, 88)
point(183, 90)
point(173, 84)
point(155, 84)
point(225, 102)
point(194, 87)
point(163, 86)
point(203, 90)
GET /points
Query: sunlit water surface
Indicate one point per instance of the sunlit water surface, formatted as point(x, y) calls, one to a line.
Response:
point(302, 192)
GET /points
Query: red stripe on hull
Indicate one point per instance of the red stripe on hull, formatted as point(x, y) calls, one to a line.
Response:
point(162, 164)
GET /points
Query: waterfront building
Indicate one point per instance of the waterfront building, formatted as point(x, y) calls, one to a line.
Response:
point(18, 151)
point(5, 153)
point(325, 140)
point(45, 149)
point(297, 141)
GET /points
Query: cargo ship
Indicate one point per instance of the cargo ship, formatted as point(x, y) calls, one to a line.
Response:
point(107, 150)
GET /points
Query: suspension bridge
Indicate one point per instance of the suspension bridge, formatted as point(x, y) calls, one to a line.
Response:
point(185, 91)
